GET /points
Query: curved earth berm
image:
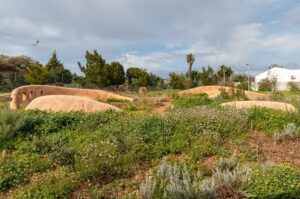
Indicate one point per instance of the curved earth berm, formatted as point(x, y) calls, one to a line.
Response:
point(214, 91)
point(266, 104)
point(67, 103)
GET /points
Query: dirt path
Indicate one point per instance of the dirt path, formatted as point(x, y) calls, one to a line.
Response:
point(163, 108)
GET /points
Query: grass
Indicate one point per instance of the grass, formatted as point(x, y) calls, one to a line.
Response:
point(60, 154)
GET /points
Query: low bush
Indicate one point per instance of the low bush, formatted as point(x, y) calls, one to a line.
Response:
point(190, 101)
point(51, 185)
point(171, 180)
point(290, 131)
point(271, 120)
point(281, 181)
point(19, 167)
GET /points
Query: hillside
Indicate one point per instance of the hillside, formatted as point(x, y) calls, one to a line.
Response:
point(160, 146)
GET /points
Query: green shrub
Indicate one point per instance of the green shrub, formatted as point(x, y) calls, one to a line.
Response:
point(206, 145)
point(19, 168)
point(270, 120)
point(10, 124)
point(267, 85)
point(11, 174)
point(189, 101)
point(281, 181)
point(51, 185)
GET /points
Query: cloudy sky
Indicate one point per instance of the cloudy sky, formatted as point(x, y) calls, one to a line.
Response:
point(155, 34)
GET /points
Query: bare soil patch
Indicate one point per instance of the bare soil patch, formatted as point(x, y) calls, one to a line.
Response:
point(270, 152)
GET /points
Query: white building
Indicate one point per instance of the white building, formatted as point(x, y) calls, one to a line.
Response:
point(282, 76)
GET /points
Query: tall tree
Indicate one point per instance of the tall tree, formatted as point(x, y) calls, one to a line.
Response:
point(94, 69)
point(35, 73)
point(178, 81)
point(208, 76)
point(190, 60)
point(224, 73)
point(115, 73)
point(137, 77)
point(55, 69)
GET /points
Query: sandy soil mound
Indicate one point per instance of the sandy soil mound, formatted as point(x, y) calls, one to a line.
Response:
point(66, 103)
point(214, 91)
point(267, 104)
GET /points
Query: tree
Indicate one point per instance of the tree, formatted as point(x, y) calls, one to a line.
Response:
point(14, 67)
point(55, 69)
point(178, 81)
point(115, 73)
point(94, 69)
point(155, 81)
point(208, 76)
point(137, 77)
point(267, 85)
point(190, 60)
point(224, 73)
point(36, 74)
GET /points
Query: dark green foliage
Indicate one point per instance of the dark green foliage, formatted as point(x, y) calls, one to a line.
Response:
point(36, 73)
point(207, 76)
point(99, 73)
point(137, 77)
point(224, 72)
point(179, 81)
point(115, 73)
point(10, 124)
point(55, 70)
point(156, 81)
point(94, 69)
point(10, 175)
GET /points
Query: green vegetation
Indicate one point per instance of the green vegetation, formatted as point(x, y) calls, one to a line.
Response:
point(190, 101)
point(59, 155)
point(280, 181)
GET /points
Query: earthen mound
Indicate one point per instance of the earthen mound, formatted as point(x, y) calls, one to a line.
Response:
point(66, 103)
point(214, 91)
point(266, 104)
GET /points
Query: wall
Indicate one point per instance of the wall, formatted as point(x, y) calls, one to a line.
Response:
point(23, 95)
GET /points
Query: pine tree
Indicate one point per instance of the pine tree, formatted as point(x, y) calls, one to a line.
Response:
point(55, 69)
point(94, 69)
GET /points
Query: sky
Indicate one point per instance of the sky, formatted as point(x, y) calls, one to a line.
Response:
point(155, 34)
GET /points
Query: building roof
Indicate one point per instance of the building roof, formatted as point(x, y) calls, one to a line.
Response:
point(280, 74)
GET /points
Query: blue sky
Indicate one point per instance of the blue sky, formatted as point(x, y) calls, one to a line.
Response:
point(155, 34)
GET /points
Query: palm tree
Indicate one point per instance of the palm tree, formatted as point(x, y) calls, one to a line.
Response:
point(190, 60)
